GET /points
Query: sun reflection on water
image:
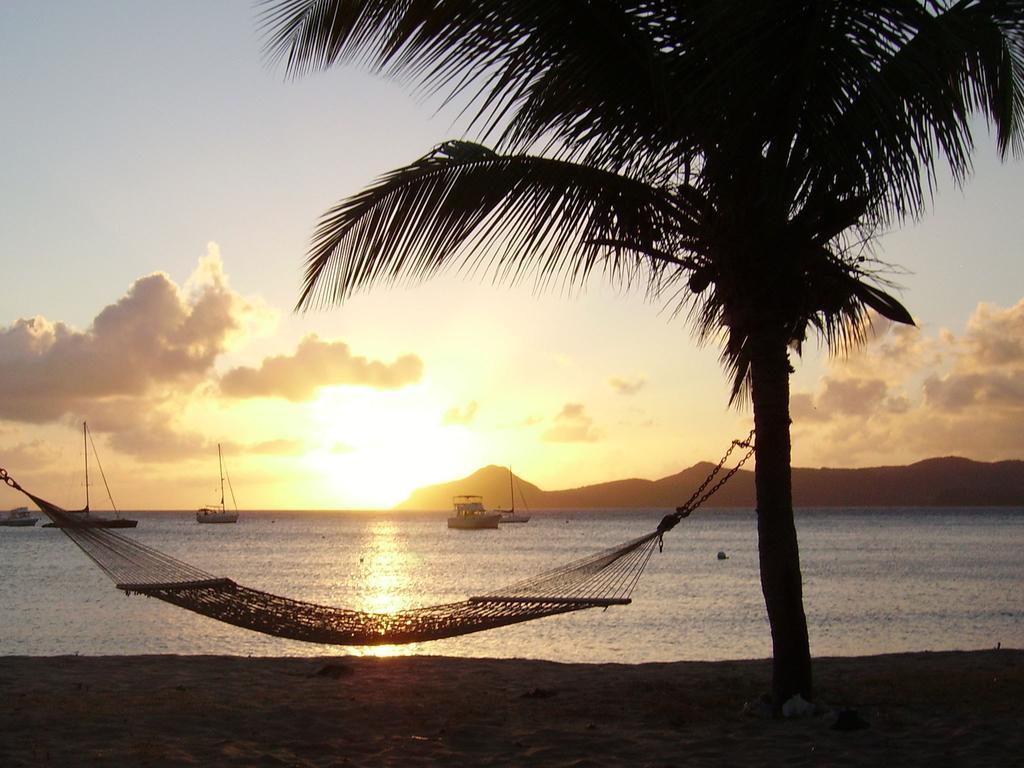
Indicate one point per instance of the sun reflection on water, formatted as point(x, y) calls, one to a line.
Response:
point(387, 582)
point(380, 650)
point(388, 585)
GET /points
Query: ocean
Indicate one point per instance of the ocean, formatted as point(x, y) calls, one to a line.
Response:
point(875, 581)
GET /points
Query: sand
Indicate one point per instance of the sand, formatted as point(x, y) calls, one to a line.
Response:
point(935, 709)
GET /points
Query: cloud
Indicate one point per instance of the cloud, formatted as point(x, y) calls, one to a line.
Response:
point(627, 386)
point(279, 447)
point(893, 352)
point(989, 388)
point(802, 408)
point(857, 397)
point(317, 364)
point(131, 371)
point(524, 423)
point(911, 394)
point(995, 336)
point(572, 425)
point(147, 431)
point(460, 417)
point(988, 368)
point(34, 453)
point(157, 338)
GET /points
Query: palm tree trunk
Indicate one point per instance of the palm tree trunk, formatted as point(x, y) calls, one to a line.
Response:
point(781, 582)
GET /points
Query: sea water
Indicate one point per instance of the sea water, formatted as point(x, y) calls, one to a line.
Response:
point(875, 581)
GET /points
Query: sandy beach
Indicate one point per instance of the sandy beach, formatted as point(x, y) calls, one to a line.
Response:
point(949, 709)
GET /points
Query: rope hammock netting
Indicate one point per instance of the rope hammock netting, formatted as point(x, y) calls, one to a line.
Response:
point(604, 579)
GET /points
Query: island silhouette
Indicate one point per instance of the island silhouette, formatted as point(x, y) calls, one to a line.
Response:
point(940, 482)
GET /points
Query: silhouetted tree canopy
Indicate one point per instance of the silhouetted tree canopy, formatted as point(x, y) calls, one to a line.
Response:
point(733, 158)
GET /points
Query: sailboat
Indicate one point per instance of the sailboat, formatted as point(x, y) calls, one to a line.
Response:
point(83, 517)
point(510, 515)
point(219, 514)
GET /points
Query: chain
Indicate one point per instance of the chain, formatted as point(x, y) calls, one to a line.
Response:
point(703, 492)
point(9, 480)
point(748, 443)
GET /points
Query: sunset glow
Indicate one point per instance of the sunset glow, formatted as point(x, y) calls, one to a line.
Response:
point(377, 448)
point(151, 293)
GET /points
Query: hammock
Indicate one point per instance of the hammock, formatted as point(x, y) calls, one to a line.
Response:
point(598, 581)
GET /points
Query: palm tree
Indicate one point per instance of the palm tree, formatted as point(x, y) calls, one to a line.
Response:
point(736, 159)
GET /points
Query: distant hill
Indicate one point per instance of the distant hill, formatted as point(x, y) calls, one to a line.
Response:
point(943, 482)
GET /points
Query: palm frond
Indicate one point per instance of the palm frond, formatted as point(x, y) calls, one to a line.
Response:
point(906, 79)
point(722, 154)
point(493, 54)
point(466, 206)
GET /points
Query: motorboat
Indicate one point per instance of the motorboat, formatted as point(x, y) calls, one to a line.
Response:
point(19, 517)
point(470, 514)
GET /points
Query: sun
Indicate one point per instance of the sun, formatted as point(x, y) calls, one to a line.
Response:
point(374, 448)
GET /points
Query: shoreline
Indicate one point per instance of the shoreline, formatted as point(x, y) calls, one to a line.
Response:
point(924, 708)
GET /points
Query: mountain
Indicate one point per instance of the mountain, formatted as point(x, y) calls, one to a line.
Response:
point(942, 482)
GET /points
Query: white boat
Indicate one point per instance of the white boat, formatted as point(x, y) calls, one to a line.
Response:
point(510, 515)
point(19, 517)
point(215, 515)
point(219, 514)
point(470, 514)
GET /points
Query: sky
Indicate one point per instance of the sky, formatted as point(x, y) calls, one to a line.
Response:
point(161, 182)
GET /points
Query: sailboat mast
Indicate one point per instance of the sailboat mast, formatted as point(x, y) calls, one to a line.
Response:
point(511, 492)
point(220, 461)
point(85, 455)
